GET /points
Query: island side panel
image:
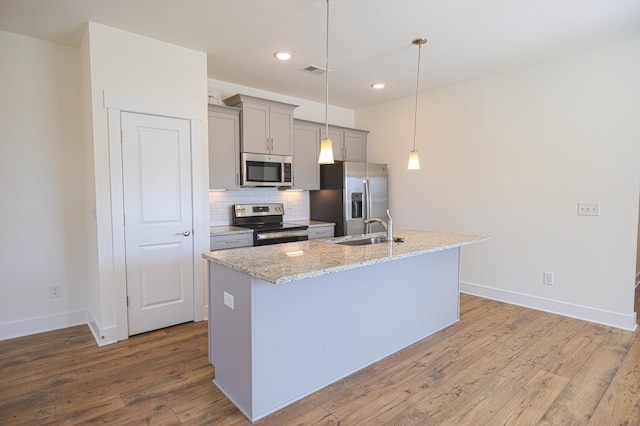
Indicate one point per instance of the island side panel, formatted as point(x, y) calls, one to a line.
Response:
point(310, 333)
point(230, 335)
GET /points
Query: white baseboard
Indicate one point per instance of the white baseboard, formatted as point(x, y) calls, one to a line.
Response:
point(612, 319)
point(42, 324)
point(102, 338)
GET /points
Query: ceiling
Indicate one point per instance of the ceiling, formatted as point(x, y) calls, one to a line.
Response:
point(370, 40)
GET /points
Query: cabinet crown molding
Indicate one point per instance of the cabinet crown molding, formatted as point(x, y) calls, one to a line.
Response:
point(239, 98)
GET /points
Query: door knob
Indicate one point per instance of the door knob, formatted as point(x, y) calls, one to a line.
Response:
point(186, 233)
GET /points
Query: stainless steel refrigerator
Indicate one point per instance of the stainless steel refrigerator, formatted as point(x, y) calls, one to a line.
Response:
point(350, 192)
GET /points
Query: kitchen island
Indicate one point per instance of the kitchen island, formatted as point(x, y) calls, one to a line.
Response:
point(289, 319)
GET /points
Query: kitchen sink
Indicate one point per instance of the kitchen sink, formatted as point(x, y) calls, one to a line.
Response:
point(362, 241)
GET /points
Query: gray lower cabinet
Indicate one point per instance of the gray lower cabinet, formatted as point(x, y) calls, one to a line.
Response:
point(229, 241)
point(306, 171)
point(323, 231)
point(224, 147)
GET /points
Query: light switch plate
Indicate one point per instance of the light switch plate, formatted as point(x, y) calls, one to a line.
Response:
point(228, 299)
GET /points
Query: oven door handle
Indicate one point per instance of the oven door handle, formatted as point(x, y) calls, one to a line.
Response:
point(281, 234)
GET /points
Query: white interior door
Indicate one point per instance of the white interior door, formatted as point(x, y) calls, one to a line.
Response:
point(156, 157)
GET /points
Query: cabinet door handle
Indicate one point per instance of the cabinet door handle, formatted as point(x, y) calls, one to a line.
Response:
point(232, 241)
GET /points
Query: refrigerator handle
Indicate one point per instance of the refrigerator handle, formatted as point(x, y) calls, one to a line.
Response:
point(367, 201)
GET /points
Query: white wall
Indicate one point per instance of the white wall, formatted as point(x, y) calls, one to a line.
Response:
point(130, 64)
point(510, 156)
point(638, 253)
point(41, 185)
point(90, 216)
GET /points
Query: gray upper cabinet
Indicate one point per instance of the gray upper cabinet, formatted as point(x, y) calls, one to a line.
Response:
point(224, 147)
point(355, 145)
point(306, 170)
point(266, 127)
point(348, 144)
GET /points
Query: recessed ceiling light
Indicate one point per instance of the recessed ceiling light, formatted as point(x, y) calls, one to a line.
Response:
point(378, 85)
point(284, 55)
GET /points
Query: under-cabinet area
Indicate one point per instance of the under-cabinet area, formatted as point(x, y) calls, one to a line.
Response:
point(248, 124)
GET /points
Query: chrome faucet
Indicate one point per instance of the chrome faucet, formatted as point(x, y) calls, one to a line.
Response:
point(388, 226)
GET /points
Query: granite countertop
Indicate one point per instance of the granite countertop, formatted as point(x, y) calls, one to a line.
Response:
point(312, 223)
point(284, 263)
point(230, 229)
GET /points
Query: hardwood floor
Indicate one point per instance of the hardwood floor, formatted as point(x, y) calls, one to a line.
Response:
point(501, 364)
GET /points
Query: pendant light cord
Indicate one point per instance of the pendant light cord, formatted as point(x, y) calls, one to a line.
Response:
point(415, 114)
point(326, 80)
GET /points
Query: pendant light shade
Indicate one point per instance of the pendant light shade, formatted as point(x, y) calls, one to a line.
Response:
point(326, 145)
point(326, 151)
point(414, 160)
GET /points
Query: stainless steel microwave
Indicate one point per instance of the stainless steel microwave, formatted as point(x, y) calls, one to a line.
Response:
point(266, 170)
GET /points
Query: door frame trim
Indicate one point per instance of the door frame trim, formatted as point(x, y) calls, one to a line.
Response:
point(115, 103)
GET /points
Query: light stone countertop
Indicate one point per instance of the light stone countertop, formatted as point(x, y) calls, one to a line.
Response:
point(311, 223)
point(228, 230)
point(284, 263)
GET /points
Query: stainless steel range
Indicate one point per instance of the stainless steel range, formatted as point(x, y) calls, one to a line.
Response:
point(267, 223)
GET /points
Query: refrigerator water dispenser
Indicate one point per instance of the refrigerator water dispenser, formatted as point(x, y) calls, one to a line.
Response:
point(356, 205)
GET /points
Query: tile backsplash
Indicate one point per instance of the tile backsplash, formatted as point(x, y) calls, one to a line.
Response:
point(296, 203)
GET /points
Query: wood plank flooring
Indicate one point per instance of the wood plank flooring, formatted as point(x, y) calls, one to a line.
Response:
point(501, 364)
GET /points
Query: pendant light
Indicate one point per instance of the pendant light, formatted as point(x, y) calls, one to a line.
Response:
point(414, 160)
point(326, 145)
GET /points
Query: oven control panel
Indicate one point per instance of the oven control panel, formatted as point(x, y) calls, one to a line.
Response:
point(252, 210)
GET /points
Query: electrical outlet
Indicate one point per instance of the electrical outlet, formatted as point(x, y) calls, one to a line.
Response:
point(228, 299)
point(54, 291)
point(547, 278)
point(588, 209)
